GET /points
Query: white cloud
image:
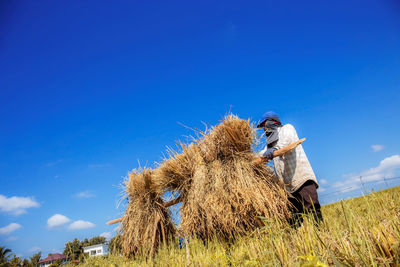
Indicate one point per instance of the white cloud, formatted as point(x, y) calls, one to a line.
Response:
point(34, 249)
point(377, 148)
point(57, 220)
point(9, 228)
point(80, 224)
point(107, 235)
point(387, 168)
point(85, 194)
point(323, 181)
point(321, 189)
point(17, 205)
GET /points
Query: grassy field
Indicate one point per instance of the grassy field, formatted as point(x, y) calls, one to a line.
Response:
point(363, 231)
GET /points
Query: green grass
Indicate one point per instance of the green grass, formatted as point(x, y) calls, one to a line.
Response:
point(362, 231)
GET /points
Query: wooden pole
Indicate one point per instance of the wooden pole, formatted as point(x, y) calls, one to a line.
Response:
point(286, 149)
point(165, 205)
point(114, 221)
point(172, 202)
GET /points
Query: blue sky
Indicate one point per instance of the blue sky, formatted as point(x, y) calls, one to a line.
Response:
point(90, 89)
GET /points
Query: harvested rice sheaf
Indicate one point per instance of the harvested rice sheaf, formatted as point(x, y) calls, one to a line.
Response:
point(146, 223)
point(222, 191)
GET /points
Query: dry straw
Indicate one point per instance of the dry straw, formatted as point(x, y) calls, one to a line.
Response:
point(146, 223)
point(222, 191)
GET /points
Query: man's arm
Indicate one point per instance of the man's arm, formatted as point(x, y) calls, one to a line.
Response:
point(287, 136)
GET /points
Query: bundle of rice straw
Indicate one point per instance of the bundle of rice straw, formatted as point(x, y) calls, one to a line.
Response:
point(222, 191)
point(146, 223)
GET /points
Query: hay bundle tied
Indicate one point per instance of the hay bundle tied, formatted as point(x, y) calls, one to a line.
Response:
point(146, 223)
point(223, 192)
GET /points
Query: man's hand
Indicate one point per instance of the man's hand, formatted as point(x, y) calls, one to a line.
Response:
point(260, 160)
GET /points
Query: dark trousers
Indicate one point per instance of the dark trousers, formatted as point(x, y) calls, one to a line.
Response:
point(305, 201)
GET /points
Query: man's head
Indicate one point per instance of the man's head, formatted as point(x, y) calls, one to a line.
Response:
point(269, 120)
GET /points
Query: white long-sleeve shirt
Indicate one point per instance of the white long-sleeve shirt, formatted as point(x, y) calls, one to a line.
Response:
point(293, 168)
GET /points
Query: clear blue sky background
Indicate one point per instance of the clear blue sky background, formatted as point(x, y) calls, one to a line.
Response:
point(89, 88)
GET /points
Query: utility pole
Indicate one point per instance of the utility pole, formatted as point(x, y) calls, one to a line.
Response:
point(362, 184)
point(384, 179)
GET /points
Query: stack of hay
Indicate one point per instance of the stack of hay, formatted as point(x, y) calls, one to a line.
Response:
point(146, 223)
point(222, 191)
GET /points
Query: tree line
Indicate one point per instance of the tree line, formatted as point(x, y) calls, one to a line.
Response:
point(8, 259)
point(72, 249)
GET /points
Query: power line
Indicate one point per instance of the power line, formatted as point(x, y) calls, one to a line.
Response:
point(351, 188)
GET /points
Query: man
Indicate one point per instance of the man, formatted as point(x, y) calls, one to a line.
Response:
point(293, 168)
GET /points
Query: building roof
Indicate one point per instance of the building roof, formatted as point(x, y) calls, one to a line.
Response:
point(54, 257)
point(97, 245)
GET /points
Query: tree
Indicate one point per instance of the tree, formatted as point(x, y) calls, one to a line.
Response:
point(15, 262)
point(35, 259)
point(85, 242)
point(97, 240)
point(26, 263)
point(5, 254)
point(73, 249)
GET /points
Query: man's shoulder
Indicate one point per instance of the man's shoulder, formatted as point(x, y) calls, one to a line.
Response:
point(288, 127)
point(288, 130)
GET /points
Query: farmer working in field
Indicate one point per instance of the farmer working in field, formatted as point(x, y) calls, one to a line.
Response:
point(293, 168)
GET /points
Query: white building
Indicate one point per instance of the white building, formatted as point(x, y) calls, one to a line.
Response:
point(96, 250)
